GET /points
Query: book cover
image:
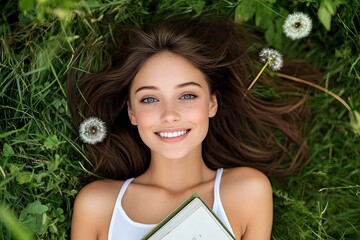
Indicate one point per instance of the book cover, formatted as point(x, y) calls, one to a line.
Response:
point(192, 220)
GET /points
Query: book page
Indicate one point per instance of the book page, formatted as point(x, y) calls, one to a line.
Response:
point(198, 226)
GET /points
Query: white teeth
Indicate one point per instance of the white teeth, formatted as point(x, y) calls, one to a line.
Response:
point(172, 134)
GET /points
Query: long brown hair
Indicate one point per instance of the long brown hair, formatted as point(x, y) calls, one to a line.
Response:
point(247, 131)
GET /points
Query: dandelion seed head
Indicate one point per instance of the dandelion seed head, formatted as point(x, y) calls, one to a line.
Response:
point(272, 57)
point(92, 130)
point(297, 25)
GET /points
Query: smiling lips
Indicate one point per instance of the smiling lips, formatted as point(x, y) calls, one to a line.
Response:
point(172, 135)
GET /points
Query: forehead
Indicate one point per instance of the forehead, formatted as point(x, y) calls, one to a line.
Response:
point(167, 69)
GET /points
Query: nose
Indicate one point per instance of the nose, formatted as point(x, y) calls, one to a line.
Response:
point(170, 113)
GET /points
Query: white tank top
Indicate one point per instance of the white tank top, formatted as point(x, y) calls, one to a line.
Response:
point(123, 228)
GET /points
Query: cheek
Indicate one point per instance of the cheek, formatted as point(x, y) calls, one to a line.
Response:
point(198, 115)
point(144, 119)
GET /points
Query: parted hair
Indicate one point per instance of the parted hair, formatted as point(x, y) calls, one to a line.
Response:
point(260, 132)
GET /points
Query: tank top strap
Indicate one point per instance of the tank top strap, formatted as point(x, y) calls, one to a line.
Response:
point(218, 207)
point(217, 182)
point(123, 189)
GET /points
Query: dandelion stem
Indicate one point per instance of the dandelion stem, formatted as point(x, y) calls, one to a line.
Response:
point(257, 77)
point(315, 86)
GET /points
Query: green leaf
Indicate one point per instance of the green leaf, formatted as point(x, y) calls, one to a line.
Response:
point(36, 208)
point(4, 135)
point(54, 165)
point(197, 5)
point(245, 10)
point(8, 150)
point(324, 16)
point(332, 5)
point(12, 223)
point(270, 34)
point(57, 103)
point(326, 10)
point(60, 214)
point(261, 15)
point(26, 5)
point(35, 217)
point(24, 177)
point(51, 142)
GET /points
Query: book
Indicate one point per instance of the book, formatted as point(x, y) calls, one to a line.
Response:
point(192, 220)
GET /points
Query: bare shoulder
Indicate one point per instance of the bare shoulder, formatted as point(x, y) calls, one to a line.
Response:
point(245, 178)
point(247, 198)
point(103, 190)
point(93, 208)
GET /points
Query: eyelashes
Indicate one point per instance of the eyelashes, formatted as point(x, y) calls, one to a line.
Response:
point(188, 96)
point(149, 100)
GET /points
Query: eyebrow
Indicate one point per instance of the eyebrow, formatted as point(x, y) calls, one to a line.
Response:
point(177, 86)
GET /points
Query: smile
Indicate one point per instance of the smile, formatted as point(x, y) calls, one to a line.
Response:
point(173, 134)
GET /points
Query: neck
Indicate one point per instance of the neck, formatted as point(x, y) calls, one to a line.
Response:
point(177, 175)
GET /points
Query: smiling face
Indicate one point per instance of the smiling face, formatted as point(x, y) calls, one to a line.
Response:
point(170, 103)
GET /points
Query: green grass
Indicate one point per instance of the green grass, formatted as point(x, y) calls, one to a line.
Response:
point(41, 156)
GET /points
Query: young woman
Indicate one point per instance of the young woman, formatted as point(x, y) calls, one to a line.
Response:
point(172, 99)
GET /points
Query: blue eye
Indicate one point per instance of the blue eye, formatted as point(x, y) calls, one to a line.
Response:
point(187, 96)
point(149, 100)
